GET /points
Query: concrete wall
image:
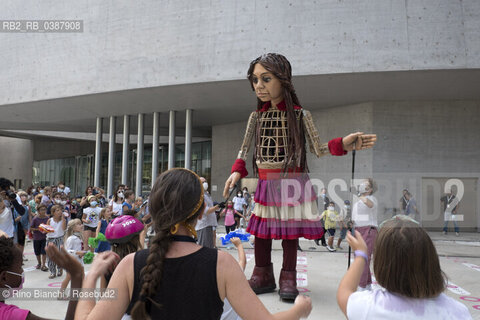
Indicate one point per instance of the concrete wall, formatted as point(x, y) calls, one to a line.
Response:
point(148, 43)
point(46, 149)
point(16, 160)
point(427, 136)
point(427, 140)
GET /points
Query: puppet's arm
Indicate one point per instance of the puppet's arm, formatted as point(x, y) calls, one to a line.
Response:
point(239, 165)
point(242, 154)
point(333, 147)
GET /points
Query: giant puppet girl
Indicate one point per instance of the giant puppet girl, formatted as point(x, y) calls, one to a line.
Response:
point(280, 127)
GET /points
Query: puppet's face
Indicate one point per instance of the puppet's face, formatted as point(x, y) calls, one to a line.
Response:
point(267, 86)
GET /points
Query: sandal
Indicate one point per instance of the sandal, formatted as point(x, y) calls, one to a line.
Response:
point(51, 276)
point(38, 266)
point(59, 273)
point(44, 268)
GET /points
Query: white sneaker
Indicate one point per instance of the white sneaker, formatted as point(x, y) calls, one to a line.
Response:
point(444, 233)
point(330, 249)
point(457, 234)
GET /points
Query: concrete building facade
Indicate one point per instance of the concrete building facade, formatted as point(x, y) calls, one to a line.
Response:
point(406, 70)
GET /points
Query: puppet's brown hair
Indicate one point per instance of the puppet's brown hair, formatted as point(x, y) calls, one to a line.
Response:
point(280, 67)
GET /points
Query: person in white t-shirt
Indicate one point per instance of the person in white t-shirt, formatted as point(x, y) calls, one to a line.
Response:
point(240, 205)
point(116, 203)
point(364, 216)
point(6, 219)
point(205, 225)
point(407, 268)
point(59, 224)
point(90, 218)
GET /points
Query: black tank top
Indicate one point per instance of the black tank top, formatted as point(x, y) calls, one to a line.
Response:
point(188, 290)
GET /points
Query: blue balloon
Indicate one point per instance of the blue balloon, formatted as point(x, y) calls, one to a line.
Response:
point(242, 236)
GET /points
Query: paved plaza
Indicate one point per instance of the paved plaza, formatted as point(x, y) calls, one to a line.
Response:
point(319, 273)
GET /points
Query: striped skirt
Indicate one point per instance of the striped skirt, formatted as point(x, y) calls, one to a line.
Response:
point(285, 207)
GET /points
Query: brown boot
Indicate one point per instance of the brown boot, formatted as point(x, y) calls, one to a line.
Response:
point(262, 280)
point(288, 285)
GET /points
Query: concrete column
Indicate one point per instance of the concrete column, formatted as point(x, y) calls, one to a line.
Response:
point(98, 153)
point(138, 185)
point(155, 136)
point(171, 140)
point(125, 149)
point(111, 156)
point(188, 139)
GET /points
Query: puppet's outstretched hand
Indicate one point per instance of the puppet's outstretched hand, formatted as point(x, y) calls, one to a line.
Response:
point(358, 140)
point(230, 183)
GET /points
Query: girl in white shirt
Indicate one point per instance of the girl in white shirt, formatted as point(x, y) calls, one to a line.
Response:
point(116, 203)
point(407, 267)
point(364, 215)
point(90, 218)
point(59, 224)
point(74, 246)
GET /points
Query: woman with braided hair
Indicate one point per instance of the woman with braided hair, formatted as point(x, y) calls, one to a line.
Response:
point(176, 278)
point(279, 128)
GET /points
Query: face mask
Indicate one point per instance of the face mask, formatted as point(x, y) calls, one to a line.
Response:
point(74, 202)
point(93, 203)
point(362, 188)
point(205, 186)
point(229, 206)
point(347, 207)
point(323, 195)
point(331, 208)
point(17, 274)
point(41, 191)
point(63, 202)
point(59, 190)
point(120, 195)
point(57, 201)
point(239, 194)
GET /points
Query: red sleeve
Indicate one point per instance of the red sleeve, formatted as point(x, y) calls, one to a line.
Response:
point(239, 166)
point(336, 147)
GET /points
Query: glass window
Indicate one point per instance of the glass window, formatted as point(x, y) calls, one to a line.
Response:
point(78, 172)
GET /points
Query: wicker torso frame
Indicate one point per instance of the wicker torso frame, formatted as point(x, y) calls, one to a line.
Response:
point(272, 127)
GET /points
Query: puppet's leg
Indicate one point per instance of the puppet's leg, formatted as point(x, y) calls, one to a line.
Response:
point(288, 275)
point(263, 279)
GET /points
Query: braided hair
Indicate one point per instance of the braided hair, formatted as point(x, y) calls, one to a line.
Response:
point(280, 67)
point(174, 199)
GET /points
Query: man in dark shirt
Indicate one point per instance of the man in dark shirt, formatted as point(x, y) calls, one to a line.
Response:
point(404, 201)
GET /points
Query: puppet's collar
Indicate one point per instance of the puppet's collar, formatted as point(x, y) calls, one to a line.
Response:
point(281, 106)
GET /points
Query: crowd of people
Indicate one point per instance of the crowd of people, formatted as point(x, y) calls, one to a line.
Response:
point(175, 267)
point(45, 215)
